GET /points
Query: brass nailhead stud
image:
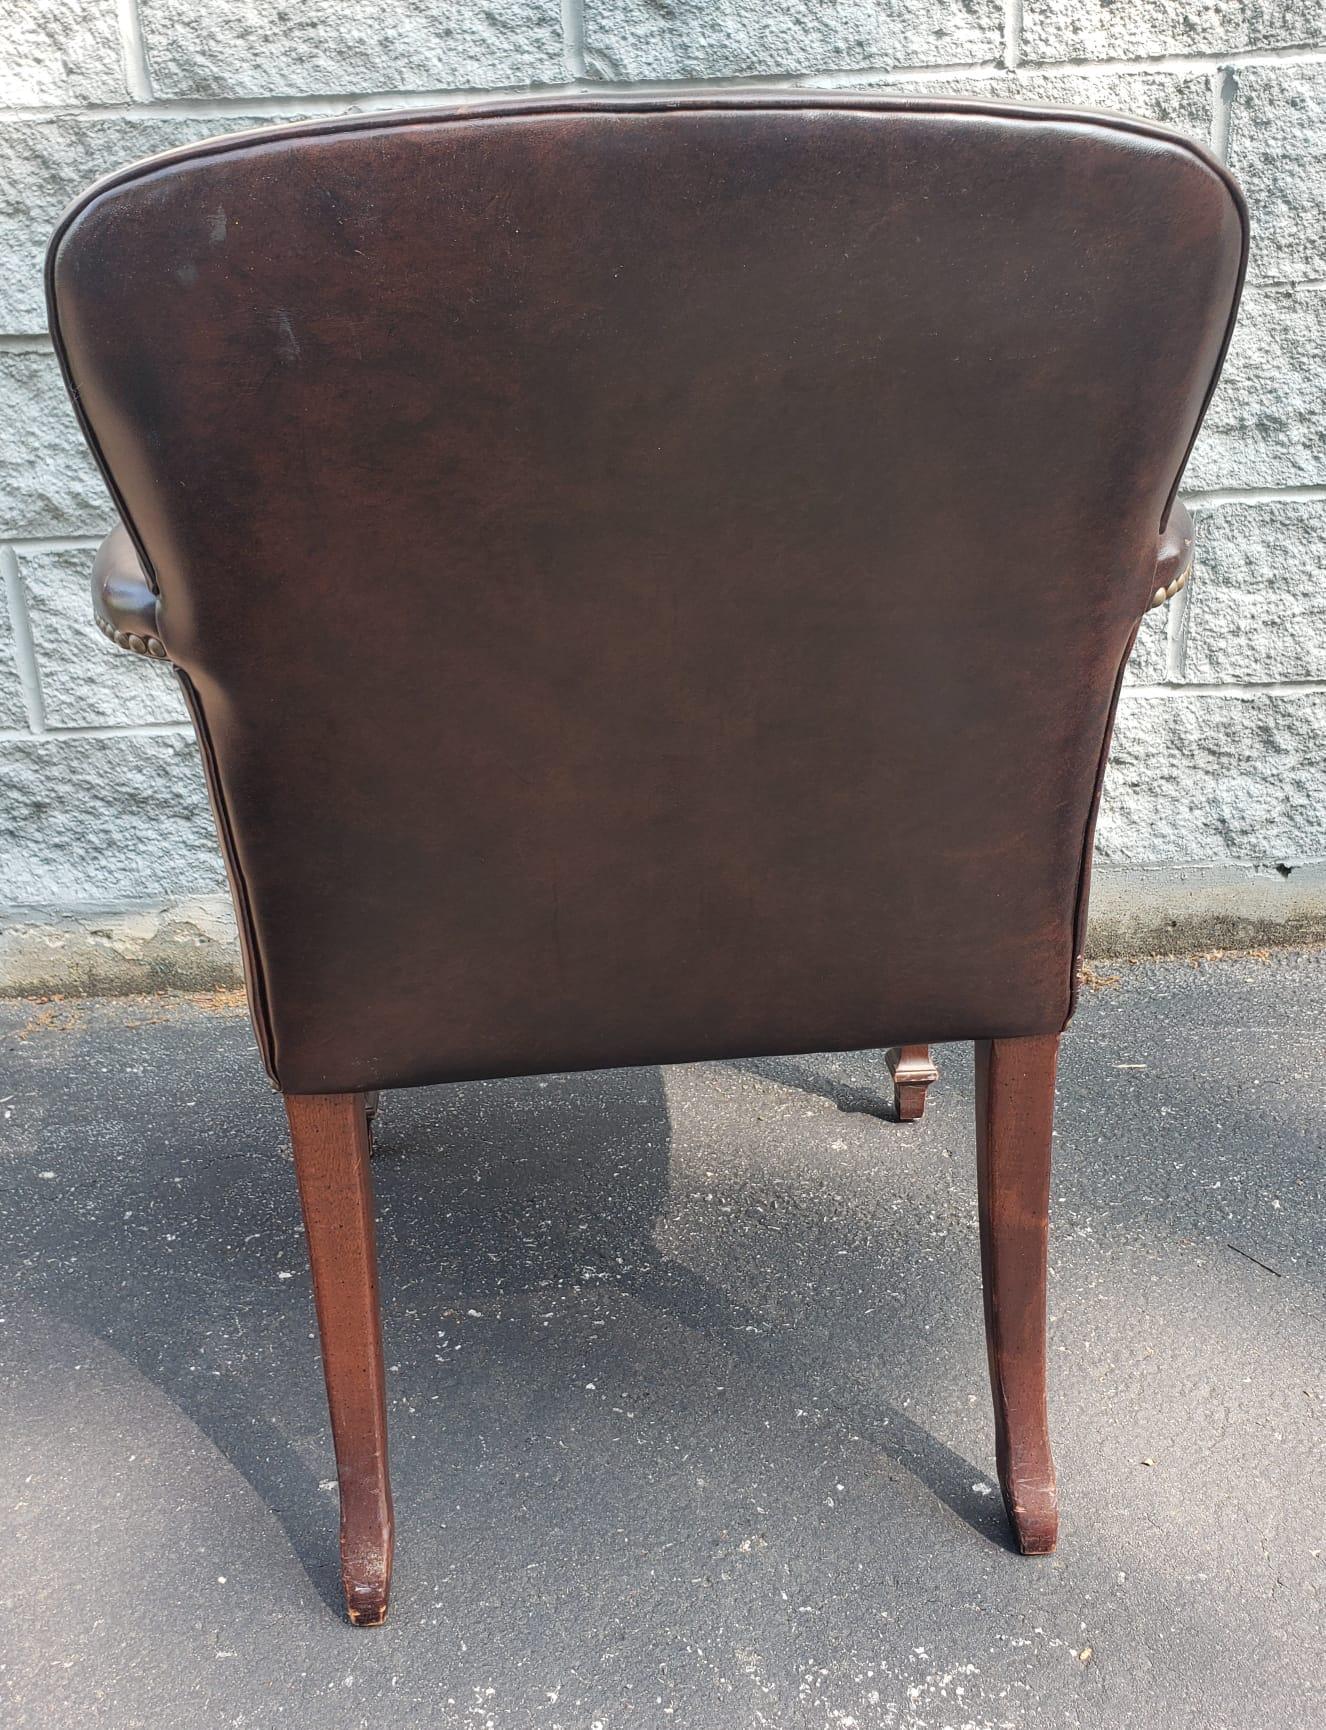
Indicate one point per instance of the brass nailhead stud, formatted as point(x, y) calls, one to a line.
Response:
point(130, 640)
point(1170, 590)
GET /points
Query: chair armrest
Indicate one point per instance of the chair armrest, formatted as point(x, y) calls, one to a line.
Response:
point(123, 604)
point(1174, 556)
point(125, 608)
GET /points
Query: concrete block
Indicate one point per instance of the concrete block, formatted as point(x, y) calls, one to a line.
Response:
point(243, 48)
point(1133, 29)
point(1278, 150)
point(1183, 100)
point(640, 39)
point(49, 484)
point(1195, 779)
point(1149, 662)
point(1257, 604)
point(61, 51)
point(104, 820)
point(1266, 426)
point(13, 704)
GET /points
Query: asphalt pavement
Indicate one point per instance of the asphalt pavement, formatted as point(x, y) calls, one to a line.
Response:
point(689, 1413)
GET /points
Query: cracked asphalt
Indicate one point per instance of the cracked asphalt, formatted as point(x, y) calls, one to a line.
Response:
point(689, 1415)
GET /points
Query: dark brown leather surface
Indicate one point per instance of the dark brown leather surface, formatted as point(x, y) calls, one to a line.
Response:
point(653, 577)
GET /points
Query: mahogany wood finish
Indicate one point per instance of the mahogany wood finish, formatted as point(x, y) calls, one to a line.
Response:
point(913, 1075)
point(331, 1143)
point(528, 494)
point(1014, 1125)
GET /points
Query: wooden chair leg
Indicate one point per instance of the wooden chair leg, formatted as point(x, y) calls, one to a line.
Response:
point(330, 1136)
point(913, 1073)
point(1014, 1122)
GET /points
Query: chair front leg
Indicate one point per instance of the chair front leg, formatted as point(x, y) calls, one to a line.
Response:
point(331, 1143)
point(1014, 1124)
point(913, 1074)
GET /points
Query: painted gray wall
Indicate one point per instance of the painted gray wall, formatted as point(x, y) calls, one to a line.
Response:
point(1217, 786)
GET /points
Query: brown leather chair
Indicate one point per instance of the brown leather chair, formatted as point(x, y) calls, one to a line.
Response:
point(652, 578)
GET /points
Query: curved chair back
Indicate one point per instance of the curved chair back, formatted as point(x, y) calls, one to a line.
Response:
point(652, 576)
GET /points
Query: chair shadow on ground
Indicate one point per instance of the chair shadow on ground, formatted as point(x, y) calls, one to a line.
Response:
point(490, 1190)
point(810, 1075)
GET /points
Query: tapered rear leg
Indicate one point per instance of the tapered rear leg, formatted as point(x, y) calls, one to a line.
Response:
point(330, 1136)
point(913, 1073)
point(1014, 1123)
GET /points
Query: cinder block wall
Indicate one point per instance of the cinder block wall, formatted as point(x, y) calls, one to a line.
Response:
point(1215, 815)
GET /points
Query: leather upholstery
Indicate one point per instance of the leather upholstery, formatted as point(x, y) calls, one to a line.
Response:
point(123, 603)
point(1174, 564)
point(125, 607)
point(652, 576)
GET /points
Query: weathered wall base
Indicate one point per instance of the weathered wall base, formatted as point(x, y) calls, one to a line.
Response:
point(1188, 909)
point(190, 945)
point(184, 945)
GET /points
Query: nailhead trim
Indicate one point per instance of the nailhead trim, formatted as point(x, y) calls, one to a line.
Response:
point(156, 649)
point(1168, 594)
point(136, 645)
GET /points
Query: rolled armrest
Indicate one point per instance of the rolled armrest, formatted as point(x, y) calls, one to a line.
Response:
point(122, 600)
point(1174, 556)
point(125, 607)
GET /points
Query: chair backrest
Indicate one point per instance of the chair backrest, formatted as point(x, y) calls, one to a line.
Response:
point(653, 576)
